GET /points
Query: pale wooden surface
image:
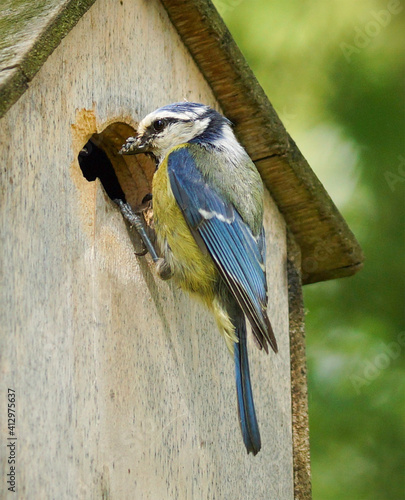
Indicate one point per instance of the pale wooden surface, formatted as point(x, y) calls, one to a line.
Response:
point(124, 387)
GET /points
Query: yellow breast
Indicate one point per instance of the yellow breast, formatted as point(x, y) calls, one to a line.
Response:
point(193, 269)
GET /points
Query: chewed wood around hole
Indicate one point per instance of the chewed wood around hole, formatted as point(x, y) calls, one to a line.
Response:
point(125, 178)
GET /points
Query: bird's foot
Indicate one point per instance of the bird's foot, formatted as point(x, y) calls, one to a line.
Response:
point(163, 269)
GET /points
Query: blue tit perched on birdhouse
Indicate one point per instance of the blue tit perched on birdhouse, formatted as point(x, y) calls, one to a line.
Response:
point(208, 215)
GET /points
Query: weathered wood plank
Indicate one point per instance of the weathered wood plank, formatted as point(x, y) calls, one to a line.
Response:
point(299, 386)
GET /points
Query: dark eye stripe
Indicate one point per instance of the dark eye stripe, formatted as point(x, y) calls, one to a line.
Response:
point(159, 124)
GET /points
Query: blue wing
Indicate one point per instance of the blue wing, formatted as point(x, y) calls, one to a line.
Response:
point(237, 254)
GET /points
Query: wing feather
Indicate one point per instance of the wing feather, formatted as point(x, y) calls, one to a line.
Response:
point(238, 255)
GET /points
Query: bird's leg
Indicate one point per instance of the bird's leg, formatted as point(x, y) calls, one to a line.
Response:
point(137, 221)
point(163, 268)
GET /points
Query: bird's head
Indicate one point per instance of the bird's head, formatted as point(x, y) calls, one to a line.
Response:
point(177, 124)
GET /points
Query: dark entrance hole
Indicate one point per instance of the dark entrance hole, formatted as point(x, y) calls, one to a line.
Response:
point(125, 178)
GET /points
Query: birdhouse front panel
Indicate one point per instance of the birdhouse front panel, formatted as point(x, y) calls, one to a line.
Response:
point(124, 386)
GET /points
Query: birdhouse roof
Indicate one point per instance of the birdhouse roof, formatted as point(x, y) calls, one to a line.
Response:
point(32, 30)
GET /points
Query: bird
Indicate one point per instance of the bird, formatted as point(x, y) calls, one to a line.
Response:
point(208, 216)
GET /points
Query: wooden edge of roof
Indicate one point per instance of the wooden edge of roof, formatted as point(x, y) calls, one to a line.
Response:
point(329, 249)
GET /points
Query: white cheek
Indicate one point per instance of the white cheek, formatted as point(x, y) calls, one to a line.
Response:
point(178, 133)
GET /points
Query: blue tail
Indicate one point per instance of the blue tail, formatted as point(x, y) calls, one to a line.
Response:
point(246, 407)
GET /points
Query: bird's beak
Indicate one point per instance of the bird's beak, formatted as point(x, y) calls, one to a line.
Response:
point(133, 146)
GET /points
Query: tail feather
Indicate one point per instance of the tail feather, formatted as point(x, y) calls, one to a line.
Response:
point(246, 408)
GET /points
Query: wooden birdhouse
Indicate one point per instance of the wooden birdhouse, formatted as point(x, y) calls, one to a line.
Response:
point(118, 385)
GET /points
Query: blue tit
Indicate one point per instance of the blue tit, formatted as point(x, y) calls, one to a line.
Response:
point(208, 215)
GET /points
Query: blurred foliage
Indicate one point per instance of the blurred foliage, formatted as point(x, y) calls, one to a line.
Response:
point(334, 71)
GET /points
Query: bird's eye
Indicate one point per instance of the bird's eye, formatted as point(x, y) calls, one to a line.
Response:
point(159, 125)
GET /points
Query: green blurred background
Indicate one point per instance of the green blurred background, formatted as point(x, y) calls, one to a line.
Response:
point(334, 71)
